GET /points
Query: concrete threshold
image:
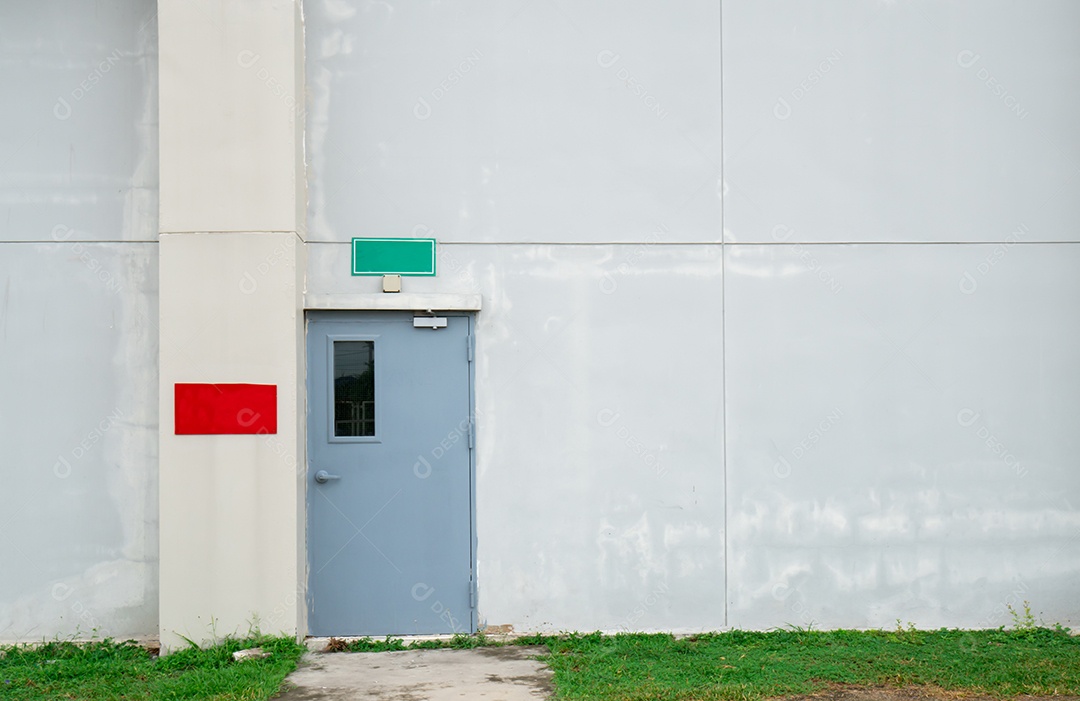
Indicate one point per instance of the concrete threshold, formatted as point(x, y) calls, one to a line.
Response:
point(506, 673)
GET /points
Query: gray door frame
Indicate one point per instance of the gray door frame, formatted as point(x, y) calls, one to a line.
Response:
point(357, 316)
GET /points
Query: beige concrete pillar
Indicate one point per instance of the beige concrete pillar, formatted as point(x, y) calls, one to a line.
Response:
point(232, 267)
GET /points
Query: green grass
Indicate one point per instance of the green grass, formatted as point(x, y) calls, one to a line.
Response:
point(745, 665)
point(114, 670)
point(633, 667)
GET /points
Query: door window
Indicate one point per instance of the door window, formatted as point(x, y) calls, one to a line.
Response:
point(354, 388)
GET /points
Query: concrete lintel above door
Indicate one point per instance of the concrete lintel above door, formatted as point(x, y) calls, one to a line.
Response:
point(399, 301)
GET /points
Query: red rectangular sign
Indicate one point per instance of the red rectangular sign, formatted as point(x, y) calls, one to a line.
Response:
point(222, 409)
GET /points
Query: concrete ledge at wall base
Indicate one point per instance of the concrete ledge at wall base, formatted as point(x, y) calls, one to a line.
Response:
point(494, 634)
point(322, 644)
point(397, 301)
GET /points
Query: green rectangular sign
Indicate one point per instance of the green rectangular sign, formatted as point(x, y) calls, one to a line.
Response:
point(374, 256)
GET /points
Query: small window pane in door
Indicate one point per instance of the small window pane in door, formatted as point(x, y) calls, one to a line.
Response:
point(354, 388)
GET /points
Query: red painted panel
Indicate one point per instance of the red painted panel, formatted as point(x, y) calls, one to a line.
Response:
point(231, 408)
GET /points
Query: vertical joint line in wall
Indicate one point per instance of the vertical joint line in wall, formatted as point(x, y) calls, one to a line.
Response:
point(723, 314)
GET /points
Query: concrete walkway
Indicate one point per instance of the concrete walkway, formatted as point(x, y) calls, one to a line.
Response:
point(507, 673)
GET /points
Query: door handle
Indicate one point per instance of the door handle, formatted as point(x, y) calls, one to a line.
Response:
point(322, 477)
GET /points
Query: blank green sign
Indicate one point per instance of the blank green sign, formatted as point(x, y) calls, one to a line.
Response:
point(393, 256)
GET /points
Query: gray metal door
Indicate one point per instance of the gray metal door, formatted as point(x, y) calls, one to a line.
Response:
point(390, 523)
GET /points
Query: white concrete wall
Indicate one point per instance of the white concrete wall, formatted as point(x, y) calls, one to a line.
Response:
point(492, 123)
point(78, 320)
point(898, 448)
point(805, 359)
point(232, 266)
point(902, 209)
point(847, 342)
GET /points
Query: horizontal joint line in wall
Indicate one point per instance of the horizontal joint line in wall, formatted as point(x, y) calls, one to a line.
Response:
point(729, 243)
point(234, 231)
point(82, 241)
point(559, 243)
point(893, 243)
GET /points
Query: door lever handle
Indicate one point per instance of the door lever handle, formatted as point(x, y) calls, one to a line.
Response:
point(322, 477)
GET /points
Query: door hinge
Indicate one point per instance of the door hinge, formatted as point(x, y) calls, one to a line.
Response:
point(472, 592)
point(472, 434)
point(470, 347)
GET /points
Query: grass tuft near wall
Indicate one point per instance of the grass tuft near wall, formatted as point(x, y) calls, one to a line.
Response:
point(109, 670)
